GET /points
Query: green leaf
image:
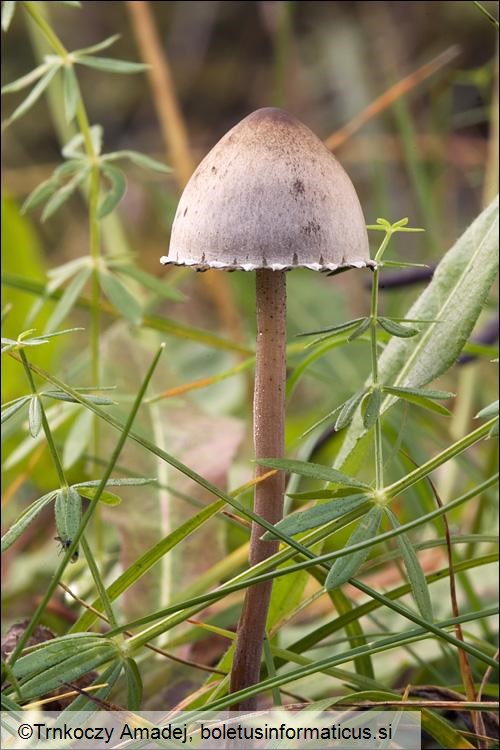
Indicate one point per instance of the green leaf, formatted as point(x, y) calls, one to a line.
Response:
point(489, 411)
point(97, 47)
point(334, 329)
point(346, 567)
point(120, 482)
point(33, 96)
point(348, 409)
point(317, 516)
point(116, 192)
point(10, 409)
point(8, 8)
point(61, 396)
point(39, 195)
point(371, 408)
point(108, 498)
point(64, 193)
point(53, 652)
point(395, 329)
point(421, 397)
point(46, 336)
point(134, 685)
point(77, 439)
point(81, 661)
point(120, 297)
point(25, 519)
point(322, 494)
point(71, 92)
point(494, 431)
point(159, 286)
point(110, 65)
point(35, 416)
point(68, 514)
point(402, 264)
point(140, 159)
point(416, 576)
point(412, 320)
point(26, 80)
point(71, 294)
point(359, 331)
point(315, 471)
point(455, 297)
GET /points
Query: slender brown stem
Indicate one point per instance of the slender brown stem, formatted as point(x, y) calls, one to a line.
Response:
point(269, 419)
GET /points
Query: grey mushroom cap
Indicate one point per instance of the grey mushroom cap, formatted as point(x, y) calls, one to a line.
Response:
point(269, 195)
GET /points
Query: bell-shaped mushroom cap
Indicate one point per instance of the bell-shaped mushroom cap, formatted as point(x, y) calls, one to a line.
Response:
point(269, 195)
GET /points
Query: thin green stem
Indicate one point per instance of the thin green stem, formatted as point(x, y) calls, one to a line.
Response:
point(99, 583)
point(45, 425)
point(429, 466)
point(94, 230)
point(93, 199)
point(379, 457)
point(46, 30)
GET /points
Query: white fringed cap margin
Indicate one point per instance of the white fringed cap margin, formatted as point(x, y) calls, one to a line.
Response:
point(269, 195)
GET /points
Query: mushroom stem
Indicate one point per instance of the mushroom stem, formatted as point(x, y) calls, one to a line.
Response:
point(268, 428)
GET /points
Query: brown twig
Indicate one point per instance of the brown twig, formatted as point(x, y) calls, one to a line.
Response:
point(394, 93)
point(463, 659)
point(176, 139)
point(486, 677)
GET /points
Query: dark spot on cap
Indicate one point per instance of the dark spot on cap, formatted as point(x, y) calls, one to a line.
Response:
point(312, 227)
point(295, 259)
point(185, 211)
point(214, 170)
point(264, 261)
point(298, 188)
point(203, 258)
point(321, 260)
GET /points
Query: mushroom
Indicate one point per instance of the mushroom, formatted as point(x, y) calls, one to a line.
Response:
point(269, 197)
